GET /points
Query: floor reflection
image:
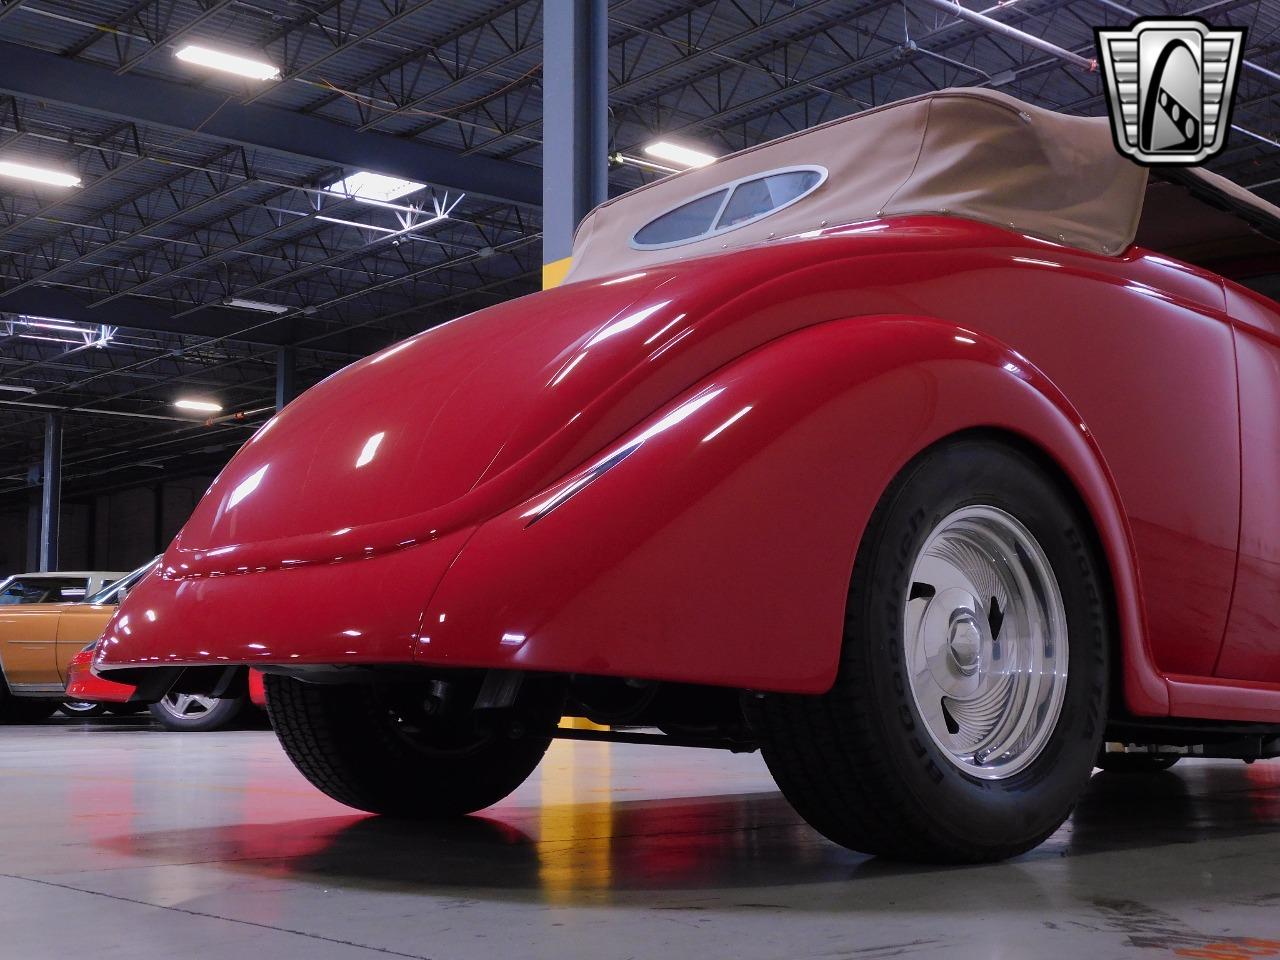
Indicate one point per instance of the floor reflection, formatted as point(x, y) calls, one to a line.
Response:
point(567, 850)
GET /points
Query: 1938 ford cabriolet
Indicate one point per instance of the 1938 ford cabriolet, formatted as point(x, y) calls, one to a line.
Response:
point(932, 450)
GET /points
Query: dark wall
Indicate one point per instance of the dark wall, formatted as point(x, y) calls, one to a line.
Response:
point(113, 531)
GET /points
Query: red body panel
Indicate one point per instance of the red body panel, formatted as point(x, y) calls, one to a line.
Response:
point(773, 392)
point(83, 684)
point(1252, 648)
point(257, 689)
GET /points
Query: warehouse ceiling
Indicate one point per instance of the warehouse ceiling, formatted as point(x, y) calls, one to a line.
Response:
point(197, 189)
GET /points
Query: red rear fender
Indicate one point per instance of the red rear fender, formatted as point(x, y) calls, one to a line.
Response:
point(714, 543)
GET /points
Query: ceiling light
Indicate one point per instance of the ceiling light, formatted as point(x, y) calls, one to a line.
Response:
point(674, 153)
point(228, 62)
point(373, 186)
point(93, 335)
point(25, 171)
point(202, 406)
point(5, 386)
point(46, 324)
point(260, 305)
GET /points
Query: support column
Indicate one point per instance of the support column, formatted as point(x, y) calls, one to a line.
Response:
point(50, 491)
point(575, 124)
point(286, 376)
point(32, 559)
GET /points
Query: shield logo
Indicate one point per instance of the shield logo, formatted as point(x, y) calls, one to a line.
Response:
point(1170, 85)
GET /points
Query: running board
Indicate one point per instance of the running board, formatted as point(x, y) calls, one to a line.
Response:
point(1212, 698)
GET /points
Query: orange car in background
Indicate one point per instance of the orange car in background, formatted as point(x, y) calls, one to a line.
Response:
point(38, 640)
point(39, 643)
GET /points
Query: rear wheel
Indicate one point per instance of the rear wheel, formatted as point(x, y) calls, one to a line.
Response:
point(189, 712)
point(971, 692)
point(405, 749)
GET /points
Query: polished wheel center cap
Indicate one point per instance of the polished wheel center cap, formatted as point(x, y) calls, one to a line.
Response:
point(964, 642)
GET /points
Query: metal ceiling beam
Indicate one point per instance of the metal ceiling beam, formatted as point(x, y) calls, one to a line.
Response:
point(47, 77)
point(155, 316)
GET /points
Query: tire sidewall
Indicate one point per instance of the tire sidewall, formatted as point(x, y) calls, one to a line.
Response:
point(1021, 809)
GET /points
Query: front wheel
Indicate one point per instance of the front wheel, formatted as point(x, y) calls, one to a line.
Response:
point(191, 713)
point(971, 692)
point(82, 709)
point(408, 749)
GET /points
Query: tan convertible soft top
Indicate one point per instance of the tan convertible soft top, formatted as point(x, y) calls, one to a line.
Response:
point(967, 153)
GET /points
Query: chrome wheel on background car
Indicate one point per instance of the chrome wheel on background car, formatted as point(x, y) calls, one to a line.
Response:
point(82, 709)
point(196, 713)
point(986, 642)
point(971, 693)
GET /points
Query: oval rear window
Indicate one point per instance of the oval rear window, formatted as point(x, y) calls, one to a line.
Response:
point(729, 206)
point(686, 222)
point(763, 195)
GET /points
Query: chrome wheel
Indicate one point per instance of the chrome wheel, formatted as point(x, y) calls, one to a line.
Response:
point(81, 708)
point(188, 706)
point(985, 634)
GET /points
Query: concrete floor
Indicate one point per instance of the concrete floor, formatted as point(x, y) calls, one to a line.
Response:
point(121, 841)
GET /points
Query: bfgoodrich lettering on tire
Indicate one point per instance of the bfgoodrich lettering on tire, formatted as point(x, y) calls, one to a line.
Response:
point(972, 688)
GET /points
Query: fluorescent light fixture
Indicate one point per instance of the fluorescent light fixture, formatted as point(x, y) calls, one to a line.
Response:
point(201, 406)
point(674, 153)
point(373, 186)
point(93, 335)
point(228, 62)
point(25, 171)
point(259, 305)
point(62, 325)
point(15, 389)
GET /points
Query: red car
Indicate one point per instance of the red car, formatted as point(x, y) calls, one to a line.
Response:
point(932, 450)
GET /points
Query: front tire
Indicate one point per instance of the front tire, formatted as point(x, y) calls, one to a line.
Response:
point(22, 710)
point(971, 693)
point(82, 709)
point(384, 748)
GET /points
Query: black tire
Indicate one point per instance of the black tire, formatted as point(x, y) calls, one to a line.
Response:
point(1135, 762)
point(198, 715)
point(858, 762)
point(82, 709)
point(373, 747)
point(23, 710)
